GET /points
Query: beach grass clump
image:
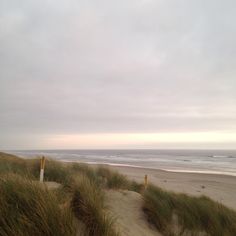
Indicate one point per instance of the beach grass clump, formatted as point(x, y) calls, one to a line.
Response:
point(158, 205)
point(13, 164)
point(25, 167)
point(88, 205)
point(113, 179)
point(28, 208)
point(54, 170)
point(194, 214)
point(57, 171)
point(136, 187)
point(85, 169)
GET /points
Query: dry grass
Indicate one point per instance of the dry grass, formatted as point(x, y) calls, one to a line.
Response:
point(194, 214)
point(80, 168)
point(113, 179)
point(88, 205)
point(40, 208)
point(13, 164)
point(28, 208)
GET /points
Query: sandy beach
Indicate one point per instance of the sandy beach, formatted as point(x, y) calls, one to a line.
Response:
point(221, 188)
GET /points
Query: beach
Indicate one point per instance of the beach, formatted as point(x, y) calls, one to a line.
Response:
point(109, 192)
point(221, 188)
point(218, 182)
point(198, 161)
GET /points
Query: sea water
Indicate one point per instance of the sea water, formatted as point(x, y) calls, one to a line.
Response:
point(202, 161)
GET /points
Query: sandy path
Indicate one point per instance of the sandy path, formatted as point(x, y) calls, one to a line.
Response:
point(126, 207)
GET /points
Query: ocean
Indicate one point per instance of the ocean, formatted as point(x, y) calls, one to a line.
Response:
point(202, 161)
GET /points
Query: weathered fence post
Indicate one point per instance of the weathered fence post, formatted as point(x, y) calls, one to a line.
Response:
point(42, 165)
point(145, 181)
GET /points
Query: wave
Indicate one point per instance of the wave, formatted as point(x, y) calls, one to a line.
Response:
point(153, 168)
point(202, 172)
point(221, 156)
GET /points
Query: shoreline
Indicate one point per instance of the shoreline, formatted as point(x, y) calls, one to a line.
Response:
point(167, 169)
point(220, 162)
point(206, 172)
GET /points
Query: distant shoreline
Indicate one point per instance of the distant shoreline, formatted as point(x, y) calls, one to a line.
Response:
point(213, 162)
point(158, 169)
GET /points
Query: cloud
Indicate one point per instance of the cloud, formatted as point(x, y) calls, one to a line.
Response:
point(73, 67)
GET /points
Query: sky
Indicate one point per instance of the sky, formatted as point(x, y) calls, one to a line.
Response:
point(117, 74)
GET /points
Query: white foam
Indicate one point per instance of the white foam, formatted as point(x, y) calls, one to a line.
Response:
point(202, 172)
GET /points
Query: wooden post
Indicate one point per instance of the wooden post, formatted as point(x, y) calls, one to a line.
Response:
point(145, 181)
point(42, 165)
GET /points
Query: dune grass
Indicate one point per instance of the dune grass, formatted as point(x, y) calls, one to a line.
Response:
point(61, 173)
point(113, 179)
point(136, 187)
point(28, 208)
point(89, 207)
point(57, 171)
point(39, 207)
point(80, 168)
point(194, 214)
point(13, 164)
point(54, 171)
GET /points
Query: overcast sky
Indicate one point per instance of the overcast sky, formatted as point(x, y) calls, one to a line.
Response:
point(101, 74)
